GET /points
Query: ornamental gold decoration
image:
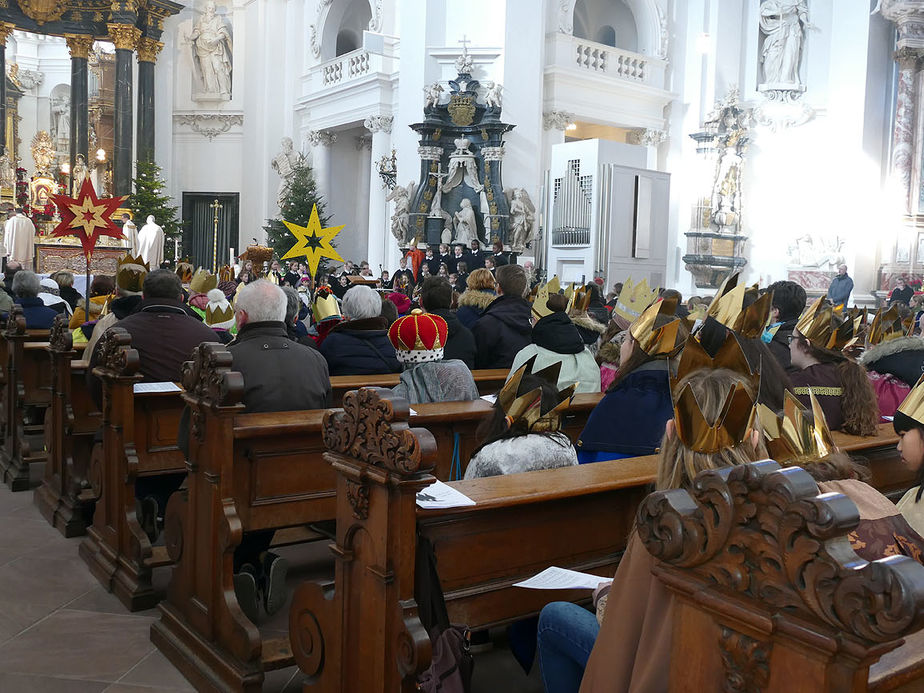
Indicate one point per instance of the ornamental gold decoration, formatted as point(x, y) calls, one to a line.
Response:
point(5, 30)
point(43, 10)
point(79, 45)
point(124, 36)
point(148, 49)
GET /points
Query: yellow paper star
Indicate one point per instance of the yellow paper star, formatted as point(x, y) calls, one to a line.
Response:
point(312, 241)
point(89, 216)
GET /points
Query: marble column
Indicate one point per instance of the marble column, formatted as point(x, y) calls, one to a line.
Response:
point(5, 31)
point(125, 37)
point(380, 238)
point(148, 49)
point(79, 47)
point(321, 143)
point(651, 140)
point(903, 127)
point(363, 146)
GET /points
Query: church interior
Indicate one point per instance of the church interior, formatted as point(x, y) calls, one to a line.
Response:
point(399, 345)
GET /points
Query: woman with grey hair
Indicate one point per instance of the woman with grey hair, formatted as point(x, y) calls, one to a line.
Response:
point(359, 345)
point(26, 289)
point(296, 311)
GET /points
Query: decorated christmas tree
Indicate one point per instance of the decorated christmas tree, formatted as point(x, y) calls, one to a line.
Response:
point(150, 199)
point(298, 197)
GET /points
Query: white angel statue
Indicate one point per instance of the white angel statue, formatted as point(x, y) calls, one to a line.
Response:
point(402, 197)
point(522, 218)
point(432, 94)
point(492, 95)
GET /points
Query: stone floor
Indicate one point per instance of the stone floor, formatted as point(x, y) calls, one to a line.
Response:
point(60, 632)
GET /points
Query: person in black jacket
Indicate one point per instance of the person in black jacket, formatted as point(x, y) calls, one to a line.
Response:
point(500, 257)
point(65, 282)
point(504, 328)
point(359, 345)
point(788, 304)
point(902, 293)
point(436, 297)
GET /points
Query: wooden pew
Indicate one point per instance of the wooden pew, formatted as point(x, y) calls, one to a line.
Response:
point(489, 381)
point(139, 439)
point(887, 472)
point(364, 634)
point(27, 390)
point(808, 616)
point(71, 421)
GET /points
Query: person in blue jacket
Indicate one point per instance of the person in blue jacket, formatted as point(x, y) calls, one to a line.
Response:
point(841, 287)
point(629, 421)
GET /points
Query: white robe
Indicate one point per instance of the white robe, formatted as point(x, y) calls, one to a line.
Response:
point(130, 242)
point(19, 240)
point(151, 244)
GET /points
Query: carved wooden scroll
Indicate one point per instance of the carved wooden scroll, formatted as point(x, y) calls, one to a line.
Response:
point(766, 535)
point(116, 353)
point(15, 323)
point(60, 339)
point(372, 427)
point(209, 376)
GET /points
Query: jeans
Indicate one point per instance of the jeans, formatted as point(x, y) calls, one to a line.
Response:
point(566, 636)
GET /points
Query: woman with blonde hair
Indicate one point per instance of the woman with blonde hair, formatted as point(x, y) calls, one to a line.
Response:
point(477, 296)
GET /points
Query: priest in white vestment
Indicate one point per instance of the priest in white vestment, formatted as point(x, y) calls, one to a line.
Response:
point(130, 231)
point(151, 244)
point(19, 239)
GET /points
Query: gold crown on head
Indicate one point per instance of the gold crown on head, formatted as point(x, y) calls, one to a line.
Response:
point(325, 305)
point(540, 308)
point(130, 273)
point(527, 408)
point(728, 308)
point(913, 405)
point(634, 299)
point(820, 326)
point(217, 316)
point(184, 270)
point(657, 341)
point(729, 355)
point(794, 436)
point(580, 300)
point(203, 281)
point(885, 326)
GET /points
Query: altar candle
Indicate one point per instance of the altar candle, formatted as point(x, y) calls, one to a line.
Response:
point(176, 250)
point(231, 258)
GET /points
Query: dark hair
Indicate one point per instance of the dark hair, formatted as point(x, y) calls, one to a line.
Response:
point(512, 280)
point(293, 305)
point(594, 290)
point(436, 294)
point(672, 293)
point(494, 426)
point(902, 423)
point(102, 285)
point(389, 311)
point(162, 284)
point(557, 303)
point(640, 357)
point(788, 299)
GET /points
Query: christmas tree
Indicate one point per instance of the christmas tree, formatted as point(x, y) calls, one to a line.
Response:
point(299, 195)
point(150, 199)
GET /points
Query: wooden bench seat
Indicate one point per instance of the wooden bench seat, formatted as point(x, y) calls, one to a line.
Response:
point(489, 382)
point(139, 439)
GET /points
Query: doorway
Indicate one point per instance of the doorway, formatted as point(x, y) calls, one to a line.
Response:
point(207, 243)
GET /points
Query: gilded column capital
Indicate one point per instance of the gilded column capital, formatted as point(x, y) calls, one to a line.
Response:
point(124, 36)
point(5, 30)
point(148, 49)
point(79, 45)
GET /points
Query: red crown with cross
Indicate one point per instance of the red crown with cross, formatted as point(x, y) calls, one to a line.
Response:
point(418, 337)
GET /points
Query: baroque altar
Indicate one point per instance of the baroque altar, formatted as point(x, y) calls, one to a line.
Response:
point(459, 196)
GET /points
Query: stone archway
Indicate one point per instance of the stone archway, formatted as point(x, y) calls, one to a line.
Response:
point(330, 20)
point(650, 24)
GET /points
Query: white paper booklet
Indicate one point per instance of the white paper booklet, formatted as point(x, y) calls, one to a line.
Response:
point(561, 579)
point(490, 399)
point(439, 495)
point(156, 387)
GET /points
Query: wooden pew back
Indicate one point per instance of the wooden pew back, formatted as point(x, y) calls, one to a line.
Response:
point(809, 615)
point(489, 382)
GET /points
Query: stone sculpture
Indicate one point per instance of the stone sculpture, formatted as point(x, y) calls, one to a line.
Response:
point(212, 53)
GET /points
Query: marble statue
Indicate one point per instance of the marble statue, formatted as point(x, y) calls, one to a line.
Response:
point(816, 251)
point(402, 197)
point(61, 117)
point(212, 53)
point(465, 223)
point(151, 243)
point(726, 191)
point(465, 64)
point(522, 219)
point(432, 95)
point(79, 174)
point(7, 171)
point(462, 166)
point(492, 96)
point(284, 164)
point(43, 153)
point(783, 23)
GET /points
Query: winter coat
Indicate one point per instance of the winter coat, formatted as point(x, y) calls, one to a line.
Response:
point(38, 316)
point(589, 328)
point(824, 381)
point(779, 342)
point(437, 381)
point(360, 347)
point(630, 420)
point(501, 331)
point(556, 339)
point(279, 374)
point(71, 295)
point(80, 317)
point(460, 342)
point(902, 357)
point(840, 289)
point(522, 454)
point(472, 304)
point(118, 308)
point(901, 295)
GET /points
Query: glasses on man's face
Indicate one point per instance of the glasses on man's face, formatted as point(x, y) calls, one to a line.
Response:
point(792, 338)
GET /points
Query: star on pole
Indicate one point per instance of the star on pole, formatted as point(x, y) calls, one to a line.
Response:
point(87, 217)
point(312, 241)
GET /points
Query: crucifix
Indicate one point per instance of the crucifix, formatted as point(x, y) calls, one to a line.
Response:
point(216, 207)
point(436, 209)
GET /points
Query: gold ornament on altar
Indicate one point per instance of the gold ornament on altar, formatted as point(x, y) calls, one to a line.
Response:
point(43, 10)
point(461, 109)
point(43, 153)
point(313, 242)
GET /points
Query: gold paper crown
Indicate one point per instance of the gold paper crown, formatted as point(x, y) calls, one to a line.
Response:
point(730, 355)
point(823, 329)
point(634, 298)
point(203, 281)
point(325, 306)
point(218, 316)
point(657, 341)
point(131, 272)
point(728, 308)
point(886, 326)
point(527, 408)
point(540, 309)
point(580, 300)
point(794, 437)
point(184, 271)
point(913, 405)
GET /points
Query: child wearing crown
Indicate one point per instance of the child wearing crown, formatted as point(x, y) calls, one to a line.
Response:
point(909, 425)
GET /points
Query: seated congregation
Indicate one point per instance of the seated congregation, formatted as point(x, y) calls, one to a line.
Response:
point(589, 407)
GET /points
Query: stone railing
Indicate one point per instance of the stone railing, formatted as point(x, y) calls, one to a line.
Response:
point(600, 60)
point(345, 67)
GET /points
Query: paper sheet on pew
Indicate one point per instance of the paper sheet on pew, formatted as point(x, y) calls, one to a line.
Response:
point(555, 578)
point(156, 387)
point(490, 399)
point(439, 495)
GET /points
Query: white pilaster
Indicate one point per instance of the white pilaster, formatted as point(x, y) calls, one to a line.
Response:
point(379, 236)
point(321, 143)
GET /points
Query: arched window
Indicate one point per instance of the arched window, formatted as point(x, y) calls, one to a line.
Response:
point(347, 41)
point(355, 19)
point(610, 22)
